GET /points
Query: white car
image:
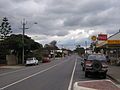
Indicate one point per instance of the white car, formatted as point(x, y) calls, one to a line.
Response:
point(32, 61)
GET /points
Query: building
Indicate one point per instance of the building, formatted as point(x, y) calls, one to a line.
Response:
point(111, 47)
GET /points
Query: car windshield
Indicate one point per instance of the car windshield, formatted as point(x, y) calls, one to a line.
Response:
point(96, 57)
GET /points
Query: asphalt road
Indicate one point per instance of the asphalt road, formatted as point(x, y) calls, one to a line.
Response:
point(56, 75)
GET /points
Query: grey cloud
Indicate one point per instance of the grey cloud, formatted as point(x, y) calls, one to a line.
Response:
point(57, 17)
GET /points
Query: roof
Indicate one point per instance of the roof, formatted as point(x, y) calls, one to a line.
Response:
point(113, 36)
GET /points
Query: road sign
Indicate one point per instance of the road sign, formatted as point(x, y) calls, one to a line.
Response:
point(93, 38)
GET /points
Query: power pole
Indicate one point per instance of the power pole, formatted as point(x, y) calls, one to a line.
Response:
point(24, 22)
point(86, 46)
point(23, 28)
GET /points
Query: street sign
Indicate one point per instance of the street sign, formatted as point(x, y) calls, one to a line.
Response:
point(102, 37)
point(93, 38)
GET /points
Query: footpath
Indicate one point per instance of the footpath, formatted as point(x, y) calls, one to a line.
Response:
point(114, 73)
point(11, 67)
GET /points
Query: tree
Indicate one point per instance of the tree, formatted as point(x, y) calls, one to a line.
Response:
point(53, 43)
point(80, 50)
point(14, 45)
point(5, 28)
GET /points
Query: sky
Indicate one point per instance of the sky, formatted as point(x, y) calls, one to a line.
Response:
point(69, 22)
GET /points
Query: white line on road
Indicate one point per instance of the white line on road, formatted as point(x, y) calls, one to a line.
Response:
point(30, 76)
point(71, 80)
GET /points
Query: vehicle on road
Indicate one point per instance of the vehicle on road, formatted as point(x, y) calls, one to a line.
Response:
point(96, 64)
point(82, 64)
point(83, 60)
point(31, 61)
point(45, 60)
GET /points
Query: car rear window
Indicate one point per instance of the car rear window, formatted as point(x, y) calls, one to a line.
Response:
point(96, 57)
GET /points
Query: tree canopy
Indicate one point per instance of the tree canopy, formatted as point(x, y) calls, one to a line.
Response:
point(5, 28)
point(13, 45)
point(80, 50)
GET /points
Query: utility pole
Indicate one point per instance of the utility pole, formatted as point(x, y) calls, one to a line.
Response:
point(24, 22)
point(23, 28)
point(86, 46)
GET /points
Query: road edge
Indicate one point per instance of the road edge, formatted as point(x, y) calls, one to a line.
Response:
point(112, 78)
point(72, 76)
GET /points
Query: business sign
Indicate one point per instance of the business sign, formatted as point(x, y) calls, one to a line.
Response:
point(113, 41)
point(102, 37)
point(93, 38)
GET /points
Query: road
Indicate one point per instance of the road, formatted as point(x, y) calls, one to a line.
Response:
point(56, 75)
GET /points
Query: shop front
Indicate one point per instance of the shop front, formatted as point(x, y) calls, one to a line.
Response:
point(111, 47)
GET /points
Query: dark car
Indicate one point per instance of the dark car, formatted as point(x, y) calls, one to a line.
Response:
point(96, 64)
point(45, 60)
point(83, 60)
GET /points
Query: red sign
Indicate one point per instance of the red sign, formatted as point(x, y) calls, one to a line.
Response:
point(102, 36)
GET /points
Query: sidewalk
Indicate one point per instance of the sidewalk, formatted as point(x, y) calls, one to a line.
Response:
point(11, 66)
point(114, 73)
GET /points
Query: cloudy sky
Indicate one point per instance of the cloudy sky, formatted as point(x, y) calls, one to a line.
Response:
point(70, 22)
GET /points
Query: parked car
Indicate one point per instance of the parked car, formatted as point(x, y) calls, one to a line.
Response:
point(96, 64)
point(45, 60)
point(31, 61)
point(83, 60)
point(82, 64)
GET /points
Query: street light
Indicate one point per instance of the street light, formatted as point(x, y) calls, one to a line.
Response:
point(24, 28)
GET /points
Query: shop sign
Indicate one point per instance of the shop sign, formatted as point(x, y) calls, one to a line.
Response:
point(102, 37)
point(113, 41)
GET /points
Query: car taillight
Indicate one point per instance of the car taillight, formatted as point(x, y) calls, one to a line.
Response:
point(88, 63)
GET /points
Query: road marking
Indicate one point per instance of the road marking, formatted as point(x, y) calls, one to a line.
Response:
point(31, 76)
point(71, 80)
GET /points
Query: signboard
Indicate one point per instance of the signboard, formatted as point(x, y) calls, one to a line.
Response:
point(94, 38)
point(102, 37)
point(113, 41)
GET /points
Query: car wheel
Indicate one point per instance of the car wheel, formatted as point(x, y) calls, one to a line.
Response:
point(83, 69)
point(104, 76)
point(96, 65)
point(86, 74)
